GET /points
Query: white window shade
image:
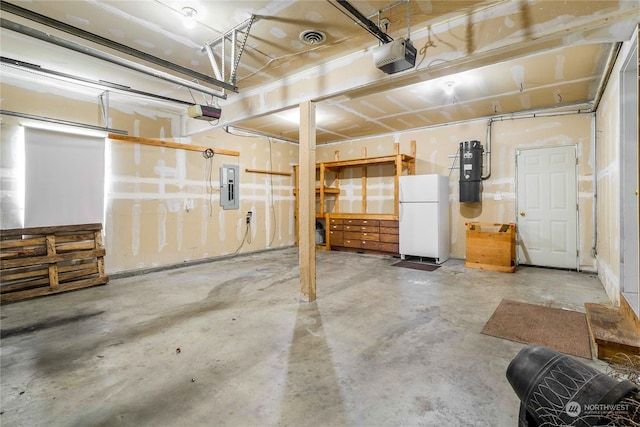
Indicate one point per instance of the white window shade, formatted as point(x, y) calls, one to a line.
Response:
point(64, 178)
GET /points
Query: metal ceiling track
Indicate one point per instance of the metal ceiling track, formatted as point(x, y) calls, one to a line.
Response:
point(61, 122)
point(97, 83)
point(365, 22)
point(61, 26)
point(398, 3)
point(37, 34)
point(237, 39)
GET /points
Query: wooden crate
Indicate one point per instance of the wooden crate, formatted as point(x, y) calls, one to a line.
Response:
point(491, 246)
point(40, 261)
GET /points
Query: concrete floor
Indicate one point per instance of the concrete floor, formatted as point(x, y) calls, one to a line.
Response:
point(382, 346)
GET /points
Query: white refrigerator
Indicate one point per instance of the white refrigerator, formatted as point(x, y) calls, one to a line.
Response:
point(424, 216)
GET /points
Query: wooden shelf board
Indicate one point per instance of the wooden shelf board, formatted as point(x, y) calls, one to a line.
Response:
point(327, 190)
point(390, 159)
point(384, 217)
point(270, 172)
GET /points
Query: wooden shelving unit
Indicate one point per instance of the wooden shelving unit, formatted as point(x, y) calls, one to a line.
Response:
point(365, 236)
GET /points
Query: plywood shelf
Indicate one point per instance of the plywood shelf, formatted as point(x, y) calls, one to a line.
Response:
point(327, 190)
point(405, 159)
point(383, 217)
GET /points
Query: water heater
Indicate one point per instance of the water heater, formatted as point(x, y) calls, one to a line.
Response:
point(470, 171)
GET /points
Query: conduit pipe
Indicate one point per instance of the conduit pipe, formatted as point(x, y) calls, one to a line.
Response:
point(611, 61)
point(487, 152)
point(22, 29)
point(594, 154)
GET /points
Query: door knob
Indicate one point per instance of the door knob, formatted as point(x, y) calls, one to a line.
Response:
point(521, 213)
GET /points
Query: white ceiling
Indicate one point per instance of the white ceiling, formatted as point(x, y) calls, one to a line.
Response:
point(499, 57)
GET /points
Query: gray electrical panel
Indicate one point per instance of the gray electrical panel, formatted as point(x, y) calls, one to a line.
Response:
point(230, 187)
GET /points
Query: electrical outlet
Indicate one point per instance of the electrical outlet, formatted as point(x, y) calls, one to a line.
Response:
point(188, 205)
point(249, 215)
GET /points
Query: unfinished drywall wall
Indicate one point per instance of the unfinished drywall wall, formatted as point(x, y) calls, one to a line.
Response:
point(608, 179)
point(162, 204)
point(435, 148)
point(165, 204)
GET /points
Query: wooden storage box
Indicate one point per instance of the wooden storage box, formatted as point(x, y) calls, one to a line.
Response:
point(491, 246)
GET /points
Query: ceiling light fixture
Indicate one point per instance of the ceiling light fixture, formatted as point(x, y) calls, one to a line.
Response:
point(448, 88)
point(189, 17)
point(293, 116)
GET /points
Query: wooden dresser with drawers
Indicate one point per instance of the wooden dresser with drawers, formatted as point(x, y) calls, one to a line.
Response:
point(362, 234)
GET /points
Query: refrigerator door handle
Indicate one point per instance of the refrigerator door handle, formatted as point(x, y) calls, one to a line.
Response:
point(400, 211)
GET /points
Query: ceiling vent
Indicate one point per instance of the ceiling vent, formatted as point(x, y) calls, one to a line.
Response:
point(313, 37)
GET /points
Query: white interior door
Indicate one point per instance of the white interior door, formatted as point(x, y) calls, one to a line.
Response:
point(547, 207)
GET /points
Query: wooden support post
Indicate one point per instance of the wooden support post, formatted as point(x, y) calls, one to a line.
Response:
point(336, 206)
point(296, 209)
point(327, 232)
point(306, 193)
point(412, 163)
point(364, 182)
point(396, 183)
point(322, 187)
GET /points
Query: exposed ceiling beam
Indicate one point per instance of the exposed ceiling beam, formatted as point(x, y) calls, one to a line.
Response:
point(355, 75)
point(78, 32)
